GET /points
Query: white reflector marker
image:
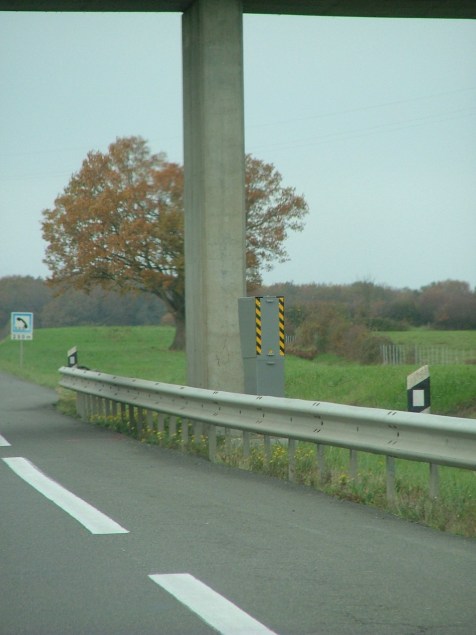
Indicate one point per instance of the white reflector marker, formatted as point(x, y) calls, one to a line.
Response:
point(3, 442)
point(213, 608)
point(91, 518)
point(418, 390)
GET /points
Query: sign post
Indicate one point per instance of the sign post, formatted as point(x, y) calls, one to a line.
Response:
point(21, 329)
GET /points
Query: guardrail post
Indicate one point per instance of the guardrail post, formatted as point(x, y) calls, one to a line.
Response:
point(132, 418)
point(267, 449)
point(184, 433)
point(292, 460)
point(80, 405)
point(228, 442)
point(140, 420)
point(434, 481)
point(246, 446)
point(197, 431)
point(91, 399)
point(391, 492)
point(321, 462)
point(158, 427)
point(353, 464)
point(160, 423)
point(149, 417)
point(87, 404)
point(212, 443)
point(172, 427)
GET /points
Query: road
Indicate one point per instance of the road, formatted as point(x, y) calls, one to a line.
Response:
point(258, 555)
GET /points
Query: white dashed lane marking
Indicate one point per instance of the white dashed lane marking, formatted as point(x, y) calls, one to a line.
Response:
point(3, 442)
point(210, 606)
point(90, 517)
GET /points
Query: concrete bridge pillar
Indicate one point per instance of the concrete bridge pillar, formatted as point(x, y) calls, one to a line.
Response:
point(212, 45)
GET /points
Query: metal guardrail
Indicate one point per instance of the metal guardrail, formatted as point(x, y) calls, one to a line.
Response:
point(434, 439)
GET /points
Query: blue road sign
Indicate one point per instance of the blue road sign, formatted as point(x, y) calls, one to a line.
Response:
point(22, 326)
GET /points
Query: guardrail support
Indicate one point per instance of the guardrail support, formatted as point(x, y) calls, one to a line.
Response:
point(292, 460)
point(172, 426)
point(267, 449)
point(80, 409)
point(434, 481)
point(228, 441)
point(184, 433)
point(391, 491)
point(132, 417)
point(321, 462)
point(197, 431)
point(246, 446)
point(212, 443)
point(353, 464)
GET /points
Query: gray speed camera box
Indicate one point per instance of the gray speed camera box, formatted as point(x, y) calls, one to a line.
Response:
point(262, 344)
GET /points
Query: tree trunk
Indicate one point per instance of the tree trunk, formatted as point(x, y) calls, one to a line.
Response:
point(178, 343)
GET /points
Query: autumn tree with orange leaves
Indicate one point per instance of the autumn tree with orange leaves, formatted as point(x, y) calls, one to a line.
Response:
point(119, 223)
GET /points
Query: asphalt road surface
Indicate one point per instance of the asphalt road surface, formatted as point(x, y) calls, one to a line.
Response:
point(102, 535)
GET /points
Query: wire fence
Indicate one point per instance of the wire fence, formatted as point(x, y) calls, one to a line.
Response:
point(394, 354)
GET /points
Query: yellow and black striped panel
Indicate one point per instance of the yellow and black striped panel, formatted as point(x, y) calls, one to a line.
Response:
point(281, 324)
point(258, 325)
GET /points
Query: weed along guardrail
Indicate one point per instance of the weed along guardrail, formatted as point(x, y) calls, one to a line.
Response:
point(186, 411)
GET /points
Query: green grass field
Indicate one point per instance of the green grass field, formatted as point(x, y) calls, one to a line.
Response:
point(143, 352)
point(128, 351)
point(458, 340)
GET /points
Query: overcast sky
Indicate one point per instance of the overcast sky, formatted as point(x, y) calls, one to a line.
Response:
point(373, 121)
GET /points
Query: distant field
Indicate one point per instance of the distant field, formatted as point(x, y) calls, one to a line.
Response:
point(458, 340)
point(129, 351)
point(143, 352)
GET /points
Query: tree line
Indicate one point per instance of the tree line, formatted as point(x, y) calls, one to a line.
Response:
point(350, 320)
point(444, 305)
point(315, 313)
point(74, 307)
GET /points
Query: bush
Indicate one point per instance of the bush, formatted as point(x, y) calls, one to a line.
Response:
point(370, 348)
point(340, 336)
point(386, 324)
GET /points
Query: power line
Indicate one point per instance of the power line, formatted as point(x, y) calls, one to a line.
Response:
point(363, 108)
point(359, 132)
